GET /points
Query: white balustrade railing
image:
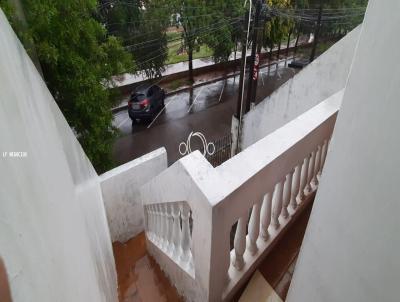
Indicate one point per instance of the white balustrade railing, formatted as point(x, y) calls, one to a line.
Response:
point(168, 228)
point(191, 207)
point(288, 196)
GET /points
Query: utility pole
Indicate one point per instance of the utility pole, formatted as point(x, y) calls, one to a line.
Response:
point(255, 58)
point(236, 125)
point(316, 33)
point(239, 106)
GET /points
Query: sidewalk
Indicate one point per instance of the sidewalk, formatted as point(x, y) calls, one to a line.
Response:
point(129, 78)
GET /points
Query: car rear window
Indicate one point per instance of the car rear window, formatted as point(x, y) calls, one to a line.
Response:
point(138, 97)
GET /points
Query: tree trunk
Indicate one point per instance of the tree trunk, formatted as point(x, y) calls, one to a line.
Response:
point(279, 50)
point(190, 96)
point(235, 49)
point(295, 44)
point(190, 53)
point(288, 44)
point(270, 54)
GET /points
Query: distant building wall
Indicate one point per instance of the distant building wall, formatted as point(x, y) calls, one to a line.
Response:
point(121, 196)
point(318, 81)
point(54, 237)
point(351, 247)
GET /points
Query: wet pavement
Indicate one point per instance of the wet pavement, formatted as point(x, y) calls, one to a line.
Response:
point(207, 109)
point(140, 278)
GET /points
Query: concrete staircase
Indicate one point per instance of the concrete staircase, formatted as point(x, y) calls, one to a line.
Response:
point(141, 279)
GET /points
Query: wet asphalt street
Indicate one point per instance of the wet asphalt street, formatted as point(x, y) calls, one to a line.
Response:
point(207, 109)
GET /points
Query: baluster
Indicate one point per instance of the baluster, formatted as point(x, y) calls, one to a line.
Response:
point(170, 244)
point(303, 178)
point(277, 204)
point(323, 157)
point(185, 234)
point(239, 243)
point(295, 186)
point(148, 219)
point(191, 263)
point(254, 228)
point(316, 168)
point(310, 173)
point(159, 220)
point(164, 232)
point(158, 224)
point(266, 215)
point(287, 192)
point(176, 231)
point(152, 223)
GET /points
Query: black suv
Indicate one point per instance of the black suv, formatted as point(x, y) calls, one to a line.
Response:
point(145, 103)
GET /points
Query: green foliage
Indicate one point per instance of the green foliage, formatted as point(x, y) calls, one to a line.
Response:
point(213, 23)
point(277, 28)
point(141, 25)
point(345, 24)
point(78, 60)
point(227, 15)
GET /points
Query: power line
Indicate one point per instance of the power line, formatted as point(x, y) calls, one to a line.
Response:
point(191, 33)
point(166, 51)
point(158, 20)
point(204, 33)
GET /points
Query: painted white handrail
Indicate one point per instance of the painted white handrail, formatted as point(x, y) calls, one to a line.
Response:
point(264, 188)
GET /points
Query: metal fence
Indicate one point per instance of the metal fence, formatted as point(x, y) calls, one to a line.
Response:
point(222, 150)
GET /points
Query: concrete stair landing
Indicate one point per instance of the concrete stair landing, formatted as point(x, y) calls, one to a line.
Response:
point(140, 279)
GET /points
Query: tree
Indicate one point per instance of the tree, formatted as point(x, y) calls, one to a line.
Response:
point(192, 16)
point(141, 26)
point(223, 38)
point(214, 24)
point(78, 60)
point(338, 15)
point(277, 27)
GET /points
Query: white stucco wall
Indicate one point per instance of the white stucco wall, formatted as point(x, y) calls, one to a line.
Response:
point(120, 188)
point(319, 80)
point(54, 237)
point(351, 246)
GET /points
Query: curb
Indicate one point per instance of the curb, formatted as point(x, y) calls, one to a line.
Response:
point(185, 88)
